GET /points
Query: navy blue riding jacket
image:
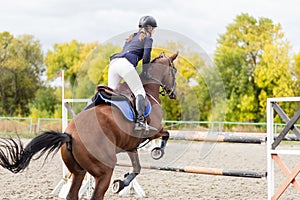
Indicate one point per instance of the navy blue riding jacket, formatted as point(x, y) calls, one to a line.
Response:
point(136, 50)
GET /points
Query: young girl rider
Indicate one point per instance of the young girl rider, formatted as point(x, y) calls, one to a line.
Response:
point(137, 47)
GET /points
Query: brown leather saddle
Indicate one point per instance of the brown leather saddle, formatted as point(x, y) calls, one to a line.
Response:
point(106, 95)
point(109, 93)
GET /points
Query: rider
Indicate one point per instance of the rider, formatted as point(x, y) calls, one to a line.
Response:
point(137, 47)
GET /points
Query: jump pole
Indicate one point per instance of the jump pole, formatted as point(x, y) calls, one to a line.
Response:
point(254, 138)
point(218, 137)
point(202, 170)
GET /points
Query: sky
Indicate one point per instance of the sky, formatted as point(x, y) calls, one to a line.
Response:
point(202, 21)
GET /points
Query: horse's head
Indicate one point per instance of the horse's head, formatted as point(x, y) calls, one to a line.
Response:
point(162, 71)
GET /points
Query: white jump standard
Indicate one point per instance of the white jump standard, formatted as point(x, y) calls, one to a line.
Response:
point(272, 144)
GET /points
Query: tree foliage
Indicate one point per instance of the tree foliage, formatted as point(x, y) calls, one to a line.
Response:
point(68, 57)
point(44, 104)
point(296, 73)
point(21, 68)
point(252, 62)
point(253, 58)
point(193, 101)
point(94, 70)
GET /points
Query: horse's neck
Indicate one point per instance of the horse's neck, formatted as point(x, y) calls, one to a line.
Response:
point(151, 86)
point(153, 90)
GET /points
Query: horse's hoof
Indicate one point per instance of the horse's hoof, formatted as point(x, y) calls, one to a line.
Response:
point(157, 153)
point(117, 186)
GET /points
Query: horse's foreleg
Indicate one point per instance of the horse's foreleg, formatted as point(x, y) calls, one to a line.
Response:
point(164, 134)
point(164, 138)
point(119, 185)
point(135, 161)
point(158, 152)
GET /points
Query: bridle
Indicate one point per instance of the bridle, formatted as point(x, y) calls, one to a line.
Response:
point(172, 71)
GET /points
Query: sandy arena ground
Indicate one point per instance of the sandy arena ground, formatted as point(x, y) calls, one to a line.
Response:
point(38, 181)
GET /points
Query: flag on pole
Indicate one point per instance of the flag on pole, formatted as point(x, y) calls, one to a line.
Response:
point(59, 74)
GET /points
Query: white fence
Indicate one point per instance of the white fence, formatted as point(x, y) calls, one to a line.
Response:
point(273, 151)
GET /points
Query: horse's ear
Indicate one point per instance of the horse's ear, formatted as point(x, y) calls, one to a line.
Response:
point(162, 54)
point(174, 56)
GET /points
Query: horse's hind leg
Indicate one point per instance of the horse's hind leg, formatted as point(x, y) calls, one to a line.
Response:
point(78, 173)
point(77, 179)
point(102, 182)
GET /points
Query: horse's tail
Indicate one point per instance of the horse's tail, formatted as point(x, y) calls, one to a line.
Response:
point(15, 158)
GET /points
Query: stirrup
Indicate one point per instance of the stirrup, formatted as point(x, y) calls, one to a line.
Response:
point(145, 128)
point(140, 126)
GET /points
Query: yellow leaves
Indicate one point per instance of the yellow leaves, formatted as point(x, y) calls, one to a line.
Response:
point(247, 103)
point(297, 60)
point(273, 74)
point(262, 99)
point(67, 56)
point(85, 51)
point(254, 49)
point(273, 68)
point(96, 64)
point(296, 66)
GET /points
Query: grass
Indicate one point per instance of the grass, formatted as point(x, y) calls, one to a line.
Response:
point(15, 135)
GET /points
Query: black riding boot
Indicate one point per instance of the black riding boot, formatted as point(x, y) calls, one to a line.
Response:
point(140, 124)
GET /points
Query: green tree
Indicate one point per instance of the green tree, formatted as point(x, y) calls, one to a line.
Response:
point(273, 74)
point(68, 57)
point(193, 99)
point(44, 104)
point(94, 70)
point(252, 57)
point(296, 78)
point(21, 66)
point(296, 73)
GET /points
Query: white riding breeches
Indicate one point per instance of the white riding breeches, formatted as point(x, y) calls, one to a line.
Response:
point(121, 68)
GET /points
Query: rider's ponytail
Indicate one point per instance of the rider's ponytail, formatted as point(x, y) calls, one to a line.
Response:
point(143, 33)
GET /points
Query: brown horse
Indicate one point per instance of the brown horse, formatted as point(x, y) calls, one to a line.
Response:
point(94, 137)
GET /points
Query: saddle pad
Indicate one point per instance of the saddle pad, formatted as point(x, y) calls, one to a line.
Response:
point(125, 107)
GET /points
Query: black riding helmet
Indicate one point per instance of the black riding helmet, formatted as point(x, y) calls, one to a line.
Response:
point(146, 21)
point(141, 21)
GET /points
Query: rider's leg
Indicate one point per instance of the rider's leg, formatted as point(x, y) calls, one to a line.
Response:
point(114, 76)
point(134, 83)
point(114, 79)
point(140, 108)
point(136, 86)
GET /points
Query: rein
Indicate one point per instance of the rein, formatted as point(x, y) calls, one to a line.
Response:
point(141, 145)
point(152, 97)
